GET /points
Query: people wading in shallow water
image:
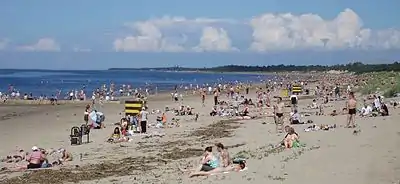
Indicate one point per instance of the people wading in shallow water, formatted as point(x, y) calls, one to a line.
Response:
point(278, 113)
point(351, 107)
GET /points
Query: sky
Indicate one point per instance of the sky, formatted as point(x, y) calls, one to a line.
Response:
point(99, 34)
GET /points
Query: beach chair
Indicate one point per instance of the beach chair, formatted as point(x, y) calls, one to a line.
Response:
point(85, 131)
point(75, 136)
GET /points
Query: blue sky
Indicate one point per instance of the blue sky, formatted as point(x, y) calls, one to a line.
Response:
point(150, 33)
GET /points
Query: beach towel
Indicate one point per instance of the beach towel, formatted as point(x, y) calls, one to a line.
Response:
point(227, 172)
point(297, 144)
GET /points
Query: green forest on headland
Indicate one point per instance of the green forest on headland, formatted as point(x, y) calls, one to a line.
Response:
point(356, 67)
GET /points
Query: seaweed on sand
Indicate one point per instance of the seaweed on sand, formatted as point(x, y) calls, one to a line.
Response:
point(221, 129)
point(89, 172)
point(150, 147)
point(176, 153)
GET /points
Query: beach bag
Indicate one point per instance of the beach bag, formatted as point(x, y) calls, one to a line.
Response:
point(239, 160)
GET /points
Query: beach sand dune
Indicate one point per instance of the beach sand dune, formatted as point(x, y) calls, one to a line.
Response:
point(334, 156)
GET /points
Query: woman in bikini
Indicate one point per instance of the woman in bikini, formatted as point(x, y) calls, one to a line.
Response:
point(234, 167)
point(66, 156)
point(291, 138)
point(208, 162)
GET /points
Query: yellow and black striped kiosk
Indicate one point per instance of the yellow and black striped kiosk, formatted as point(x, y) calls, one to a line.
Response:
point(133, 107)
point(297, 89)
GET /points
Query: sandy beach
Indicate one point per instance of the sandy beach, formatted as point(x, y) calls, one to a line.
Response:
point(339, 155)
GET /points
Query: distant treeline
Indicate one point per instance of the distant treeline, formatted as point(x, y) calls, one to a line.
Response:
point(356, 67)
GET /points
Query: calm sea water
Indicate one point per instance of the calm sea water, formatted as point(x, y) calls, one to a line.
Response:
point(39, 82)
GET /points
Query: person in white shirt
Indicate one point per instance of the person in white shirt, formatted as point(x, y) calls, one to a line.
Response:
point(366, 110)
point(377, 102)
point(314, 105)
point(143, 120)
point(295, 118)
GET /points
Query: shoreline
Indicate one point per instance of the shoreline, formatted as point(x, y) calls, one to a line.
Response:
point(156, 157)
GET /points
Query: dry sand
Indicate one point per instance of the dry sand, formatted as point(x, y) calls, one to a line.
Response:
point(334, 156)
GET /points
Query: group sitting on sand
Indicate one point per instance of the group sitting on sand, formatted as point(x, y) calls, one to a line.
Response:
point(117, 136)
point(211, 163)
point(38, 158)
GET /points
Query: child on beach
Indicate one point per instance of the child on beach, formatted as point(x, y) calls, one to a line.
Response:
point(117, 137)
point(291, 139)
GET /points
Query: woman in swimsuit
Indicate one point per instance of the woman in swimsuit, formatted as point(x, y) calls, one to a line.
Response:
point(291, 138)
point(208, 162)
point(66, 156)
point(234, 167)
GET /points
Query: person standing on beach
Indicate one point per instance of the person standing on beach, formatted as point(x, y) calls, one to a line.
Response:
point(203, 97)
point(143, 120)
point(278, 114)
point(351, 106)
point(86, 114)
point(216, 94)
point(294, 100)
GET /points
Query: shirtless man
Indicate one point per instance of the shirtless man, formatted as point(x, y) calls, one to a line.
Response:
point(278, 114)
point(351, 106)
point(224, 155)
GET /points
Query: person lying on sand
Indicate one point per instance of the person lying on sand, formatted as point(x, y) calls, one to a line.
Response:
point(233, 167)
point(334, 113)
point(366, 111)
point(15, 157)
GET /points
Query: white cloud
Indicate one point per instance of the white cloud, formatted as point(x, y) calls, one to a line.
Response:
point(288, 31)
point(267, 32)
point(214, 39)
point(3, 43)
point(150, 39)
point(150, 36)
point(43, 44)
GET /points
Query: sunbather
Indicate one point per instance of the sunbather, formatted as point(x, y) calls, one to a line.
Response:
point(18, 156)
point(207, 163)
point(234, 167)
point(66, 156)
point(35, 159)
point(291, 139)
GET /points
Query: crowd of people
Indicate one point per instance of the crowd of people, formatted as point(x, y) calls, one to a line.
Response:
point(238, 104)
point(38, 158)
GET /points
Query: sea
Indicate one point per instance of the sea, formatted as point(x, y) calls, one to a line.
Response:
point(51, 82)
